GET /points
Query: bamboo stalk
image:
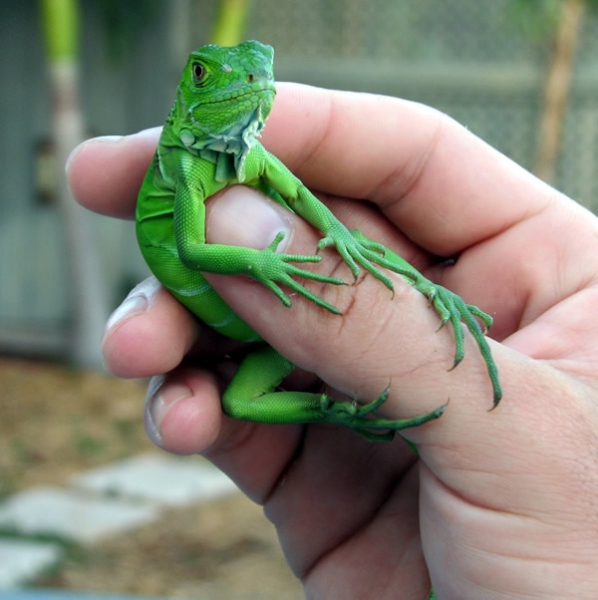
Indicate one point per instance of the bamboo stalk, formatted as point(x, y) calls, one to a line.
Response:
point(229, 27)
point(558, 87)
point(60, 19)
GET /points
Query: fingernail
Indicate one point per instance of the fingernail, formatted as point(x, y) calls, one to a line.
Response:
point(242, 216)
point(160, 400)
point(140, 298)
point(95, 140)
point(152, 132)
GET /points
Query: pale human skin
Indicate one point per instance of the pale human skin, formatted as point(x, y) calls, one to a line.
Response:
point(500, 504)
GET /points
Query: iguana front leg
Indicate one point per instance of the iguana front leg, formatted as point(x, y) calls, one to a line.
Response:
point(251, 396)
point(270, 268)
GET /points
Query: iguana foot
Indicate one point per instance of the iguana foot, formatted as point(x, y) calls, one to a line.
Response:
point(275, 269)
point(452, 309)
point(358, 417)
point(356, 249)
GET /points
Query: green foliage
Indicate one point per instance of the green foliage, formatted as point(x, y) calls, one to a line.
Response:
point(123, 21)
point(127, 430)
point(89, 446)
point(537, 18)
point(8, 485)
point(73, 552)
point(67, 544)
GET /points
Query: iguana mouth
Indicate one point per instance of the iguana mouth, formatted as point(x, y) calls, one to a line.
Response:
point(251, 92)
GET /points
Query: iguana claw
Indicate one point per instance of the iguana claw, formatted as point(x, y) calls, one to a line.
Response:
point(358, 417)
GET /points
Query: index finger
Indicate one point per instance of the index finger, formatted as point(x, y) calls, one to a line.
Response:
point(438, 182)
point(432, 178)
point(105, 173)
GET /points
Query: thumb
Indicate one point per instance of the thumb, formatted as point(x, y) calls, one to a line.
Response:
point(242, 216)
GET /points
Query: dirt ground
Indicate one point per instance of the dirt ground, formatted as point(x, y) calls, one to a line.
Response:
point(58, 422)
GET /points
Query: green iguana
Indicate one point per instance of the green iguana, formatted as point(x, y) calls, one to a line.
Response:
point(209, 142)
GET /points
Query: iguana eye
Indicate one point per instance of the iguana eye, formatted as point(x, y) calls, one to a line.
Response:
point(199, 72)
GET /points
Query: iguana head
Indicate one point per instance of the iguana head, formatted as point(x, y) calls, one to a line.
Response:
point(224, 97)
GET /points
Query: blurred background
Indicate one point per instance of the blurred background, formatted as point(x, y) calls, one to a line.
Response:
point(521, 74)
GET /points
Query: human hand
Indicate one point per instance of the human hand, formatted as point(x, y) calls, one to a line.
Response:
point(500, 504)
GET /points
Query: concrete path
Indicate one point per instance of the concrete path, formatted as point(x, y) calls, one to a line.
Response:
point(98, 503)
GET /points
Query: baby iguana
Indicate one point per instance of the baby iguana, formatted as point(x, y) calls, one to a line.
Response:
point(209, 142)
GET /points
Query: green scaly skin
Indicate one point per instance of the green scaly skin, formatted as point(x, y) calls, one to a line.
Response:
point(209, 142)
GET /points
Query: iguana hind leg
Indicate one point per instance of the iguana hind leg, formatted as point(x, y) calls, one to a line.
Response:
point(251, 396)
